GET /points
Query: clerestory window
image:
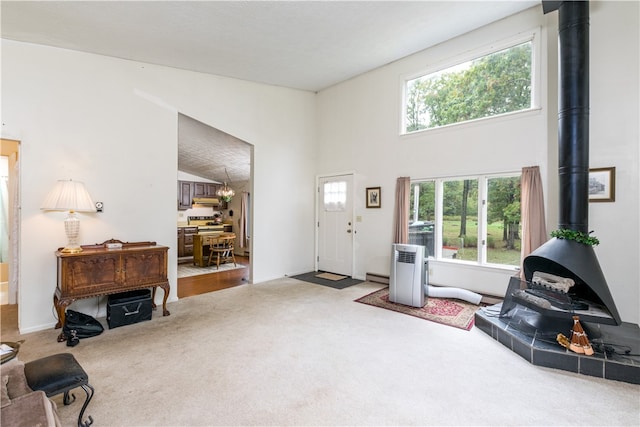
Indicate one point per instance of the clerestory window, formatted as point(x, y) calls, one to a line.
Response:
point(494, 84)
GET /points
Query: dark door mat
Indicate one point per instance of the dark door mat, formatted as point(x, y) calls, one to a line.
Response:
point(336, 284)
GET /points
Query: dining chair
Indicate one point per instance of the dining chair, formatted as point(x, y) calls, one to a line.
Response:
point(222, 247)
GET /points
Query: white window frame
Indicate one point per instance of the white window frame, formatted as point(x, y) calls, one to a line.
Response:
point(532, 35)
point(483, 191)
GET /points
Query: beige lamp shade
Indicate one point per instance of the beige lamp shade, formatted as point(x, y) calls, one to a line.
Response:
point(70, 196)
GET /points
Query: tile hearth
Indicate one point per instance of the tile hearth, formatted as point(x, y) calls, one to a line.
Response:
point(518, 332)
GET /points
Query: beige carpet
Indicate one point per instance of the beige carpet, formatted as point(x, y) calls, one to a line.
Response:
point(284, 353)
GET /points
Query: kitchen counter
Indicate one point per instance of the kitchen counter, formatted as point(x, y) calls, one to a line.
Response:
point(201, 244)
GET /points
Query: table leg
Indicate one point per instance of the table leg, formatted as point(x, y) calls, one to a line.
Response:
point(165, 287)
point(61, 310)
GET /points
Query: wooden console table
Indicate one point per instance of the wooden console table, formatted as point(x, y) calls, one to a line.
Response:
point(98, 271)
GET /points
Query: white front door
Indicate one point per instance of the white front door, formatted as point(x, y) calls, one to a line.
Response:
point(335, 224)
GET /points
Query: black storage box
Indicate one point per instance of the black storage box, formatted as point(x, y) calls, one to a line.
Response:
point(129, 307)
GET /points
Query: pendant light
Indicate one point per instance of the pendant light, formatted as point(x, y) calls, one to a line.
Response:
point(225, 192)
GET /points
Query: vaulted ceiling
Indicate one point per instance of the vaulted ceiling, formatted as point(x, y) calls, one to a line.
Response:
point(306, 45)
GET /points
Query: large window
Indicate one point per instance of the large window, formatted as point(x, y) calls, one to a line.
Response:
point(470, 219)
point(494, 84)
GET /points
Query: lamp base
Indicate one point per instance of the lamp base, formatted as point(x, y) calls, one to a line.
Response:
point(72, 229)
point(71, 249)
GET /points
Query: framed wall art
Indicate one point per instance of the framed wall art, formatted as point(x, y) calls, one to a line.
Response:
point(373, 197)
point(602, 184)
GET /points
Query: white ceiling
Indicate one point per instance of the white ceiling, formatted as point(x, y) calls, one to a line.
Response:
point(306, 45)
point(210, 153)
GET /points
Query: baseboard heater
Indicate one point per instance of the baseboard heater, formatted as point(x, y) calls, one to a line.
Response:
point(377, 278)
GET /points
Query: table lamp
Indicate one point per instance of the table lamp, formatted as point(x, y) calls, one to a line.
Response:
point(70, 196)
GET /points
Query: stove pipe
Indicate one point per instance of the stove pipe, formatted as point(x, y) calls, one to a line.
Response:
point(558, 256)
point(573, 115)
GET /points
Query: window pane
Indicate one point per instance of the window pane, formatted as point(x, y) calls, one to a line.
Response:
point(493, 84)
point(422, 216)
point(335, 196)
point(460, 220)
point(503, 221)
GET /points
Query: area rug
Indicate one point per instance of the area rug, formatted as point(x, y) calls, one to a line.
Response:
point(451, 312)
point(312, 277)
point(331, 276)
point(188, 270)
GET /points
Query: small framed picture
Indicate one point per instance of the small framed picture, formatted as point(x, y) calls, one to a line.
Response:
point(602, 185)
point(373, 197)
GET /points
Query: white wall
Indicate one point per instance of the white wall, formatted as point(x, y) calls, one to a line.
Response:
point(359, 125)
point(615, 141)
point(359, 122)
point(113, 124)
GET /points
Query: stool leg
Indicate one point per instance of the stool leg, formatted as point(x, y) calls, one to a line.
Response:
point(68, 401)
point(89, 390)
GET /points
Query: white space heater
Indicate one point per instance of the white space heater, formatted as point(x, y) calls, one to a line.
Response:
point(407, 280)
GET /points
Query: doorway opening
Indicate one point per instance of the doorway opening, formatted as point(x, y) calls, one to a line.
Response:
point(208, 161)
point(9, 226)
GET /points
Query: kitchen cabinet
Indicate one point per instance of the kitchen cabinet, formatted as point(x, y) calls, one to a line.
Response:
point(187, 190)
point(204, 189)
point(185, 242)
point(185, 195)
point(98, 271)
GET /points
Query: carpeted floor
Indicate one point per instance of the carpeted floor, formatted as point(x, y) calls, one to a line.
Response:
point(312, 277)
point(188, 270)
point(450, 312)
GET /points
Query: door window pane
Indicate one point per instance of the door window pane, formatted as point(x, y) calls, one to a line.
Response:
point(335, 196)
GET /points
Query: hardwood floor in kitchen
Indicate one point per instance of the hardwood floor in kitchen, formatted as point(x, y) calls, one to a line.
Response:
point(196, 285)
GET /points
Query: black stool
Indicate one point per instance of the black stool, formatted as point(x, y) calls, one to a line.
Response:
point(60, 373)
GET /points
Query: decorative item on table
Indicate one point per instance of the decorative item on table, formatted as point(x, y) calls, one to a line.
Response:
point(70, 196)
point(225, 192)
